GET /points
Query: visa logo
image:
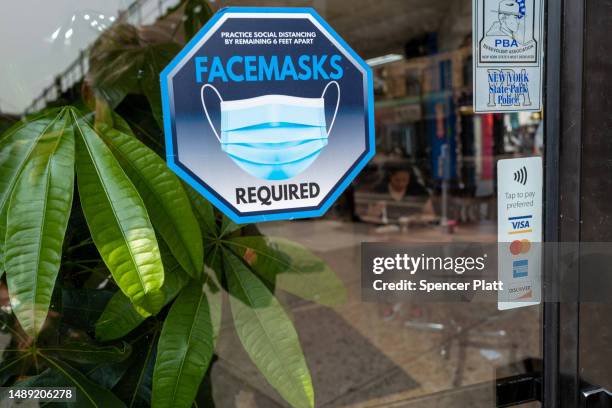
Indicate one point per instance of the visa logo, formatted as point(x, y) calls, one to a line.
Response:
point(520, 225)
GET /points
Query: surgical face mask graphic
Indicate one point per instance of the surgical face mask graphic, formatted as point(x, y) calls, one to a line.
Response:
point(273, 137)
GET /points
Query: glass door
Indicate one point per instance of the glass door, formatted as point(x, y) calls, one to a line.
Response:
point(433, 180)
point(576, 331)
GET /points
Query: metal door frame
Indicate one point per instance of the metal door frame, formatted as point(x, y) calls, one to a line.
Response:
point(563, 130)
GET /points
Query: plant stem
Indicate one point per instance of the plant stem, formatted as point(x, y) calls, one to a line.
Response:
point(83, 243)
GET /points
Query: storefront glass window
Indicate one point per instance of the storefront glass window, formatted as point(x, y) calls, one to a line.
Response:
point(433, 180)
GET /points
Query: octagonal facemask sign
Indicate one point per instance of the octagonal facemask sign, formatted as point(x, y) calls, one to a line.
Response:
point(268, 113)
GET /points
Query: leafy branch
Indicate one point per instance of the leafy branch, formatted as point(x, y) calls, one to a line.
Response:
point(116, 270)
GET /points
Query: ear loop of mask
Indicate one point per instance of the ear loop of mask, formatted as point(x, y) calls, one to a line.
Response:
point(337, 103)
point(206, 110)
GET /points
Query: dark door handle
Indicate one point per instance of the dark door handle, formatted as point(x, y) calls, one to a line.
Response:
point(596, 397)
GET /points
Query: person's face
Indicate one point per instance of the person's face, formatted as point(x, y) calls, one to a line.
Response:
point(512, 22)
point(400, 180)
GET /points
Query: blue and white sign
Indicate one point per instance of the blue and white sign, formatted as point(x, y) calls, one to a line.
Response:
point(519, 231)
point(268, 113)
point(508, 54)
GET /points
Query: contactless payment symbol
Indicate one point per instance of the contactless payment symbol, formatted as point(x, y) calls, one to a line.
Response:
point(268, 113)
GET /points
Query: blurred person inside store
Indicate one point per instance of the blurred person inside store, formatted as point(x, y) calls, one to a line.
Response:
point(399, 195)
point(400, 182)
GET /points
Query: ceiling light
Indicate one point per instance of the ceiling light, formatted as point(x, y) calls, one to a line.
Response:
point(384, 59)
point(55, 33)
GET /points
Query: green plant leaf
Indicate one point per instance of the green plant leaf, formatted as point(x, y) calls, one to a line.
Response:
point(163, 195)
point(185, 349)
point(213, 258)
point(204, 211)
point(120, 316)
point(3, 212)
point(88, 393)
point(48, 378)
point(81, 308)
point(228, 226)
point(135, 386)
point(139, 121)
point(214, 294)
point(291, 267)
point(12, 366)
point(37, 218)
point(16, 146)
point(107, 375)
point(87, 353)
point(267, 334)
point(118, 221)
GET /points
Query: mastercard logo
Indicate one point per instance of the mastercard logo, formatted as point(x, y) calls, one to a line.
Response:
point(520, 246)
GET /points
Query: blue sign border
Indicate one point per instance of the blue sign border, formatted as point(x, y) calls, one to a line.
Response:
point(212, 196)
